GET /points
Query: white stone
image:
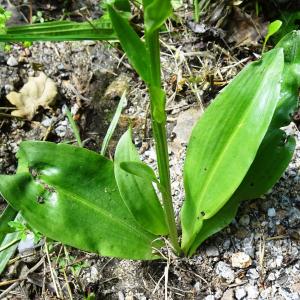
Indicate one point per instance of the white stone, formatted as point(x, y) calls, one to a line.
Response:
point(212, 251)
point(252, 291)
point(241, 260)
point(240, 293)
point(27, 243)
point(244, 220)
point(224, 270)
point(253, 274)
point(271, 212)
point(228, 295)
point(12, 62)
point(209, 297)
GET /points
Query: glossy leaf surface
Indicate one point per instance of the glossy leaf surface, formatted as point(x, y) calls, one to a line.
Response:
point(271, 161)
point(70, 195)
point(131, 43)
point(231, 130)
point(137, 192)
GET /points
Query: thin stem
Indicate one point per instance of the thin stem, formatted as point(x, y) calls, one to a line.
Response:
point(160, 137)
point(196, 11)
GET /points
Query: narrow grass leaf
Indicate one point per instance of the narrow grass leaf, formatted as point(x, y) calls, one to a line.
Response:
point(9, 244)
point(74, 127)
point(60, 31)
point(7, 215)
point(131, 43)
point(113, 124)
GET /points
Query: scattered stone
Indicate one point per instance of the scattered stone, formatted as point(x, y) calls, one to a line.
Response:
point(294, 217)
point(224, 270)
point(27, 243)
point(252, 291)
point(212, 251)
point(240, 293)
point(296, 287)
point(12, 62)
point(244, 220)
point(60, 131)
point(241, 260)
point(271, 277)
point(271, 212)
point(197, 287)
point(253, 274)
point(121, 296)
point(248, 245)
point(185, 123)
point(46, 122)
point(210, 297)
point(228, 295)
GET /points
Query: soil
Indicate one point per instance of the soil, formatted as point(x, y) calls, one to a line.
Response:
point(256, 257)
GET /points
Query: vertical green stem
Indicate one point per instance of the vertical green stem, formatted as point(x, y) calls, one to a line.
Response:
point(160, 136)
point(196, 11)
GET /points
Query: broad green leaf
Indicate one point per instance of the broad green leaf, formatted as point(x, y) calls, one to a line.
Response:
point(70, 195)
point(272, 159)
point(156, 12)
point(131, 43)
point(60, 31)
point(225, 141)
point(139, 169)
point(289, 94)
point(9, 244)
point(137, 192)
point(276, 149)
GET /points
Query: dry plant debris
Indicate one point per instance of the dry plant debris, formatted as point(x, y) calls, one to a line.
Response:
point(38, 91)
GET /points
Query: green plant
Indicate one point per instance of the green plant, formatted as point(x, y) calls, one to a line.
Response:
point(236, 152)
point(272, 29)
point(38, 18)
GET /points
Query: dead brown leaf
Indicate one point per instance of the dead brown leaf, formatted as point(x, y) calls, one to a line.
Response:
point(245, 30)
point(38, 91)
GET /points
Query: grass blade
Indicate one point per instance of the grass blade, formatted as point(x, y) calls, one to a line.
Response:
point(113, 124)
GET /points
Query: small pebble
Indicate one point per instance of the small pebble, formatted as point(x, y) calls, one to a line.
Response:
point(12, 62)
point(228, 295)
point(27, 243)
point(271, 212)
point(212, 251)
point(252, 292)
point(253, 274)
point(241, 260)
point(210, 297)
point(46, 122)
point(224, 270)
point(60, 131)
point(121, 296)
point(240, 293)
point(244, 220)
point(294, 217)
